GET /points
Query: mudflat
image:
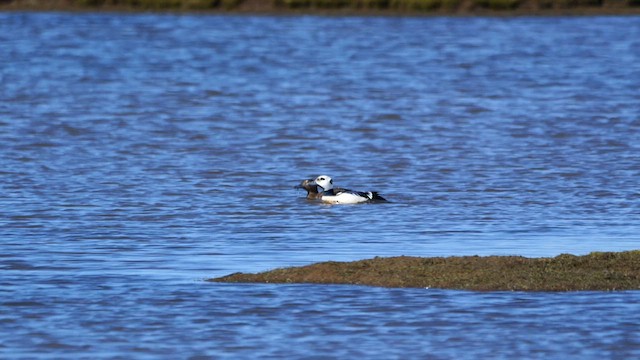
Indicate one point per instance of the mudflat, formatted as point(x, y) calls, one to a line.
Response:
point(598, 271)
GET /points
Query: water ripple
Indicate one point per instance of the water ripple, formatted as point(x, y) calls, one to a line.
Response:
point(142, 153)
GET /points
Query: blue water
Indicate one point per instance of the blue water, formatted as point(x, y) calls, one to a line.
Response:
point(143, 153)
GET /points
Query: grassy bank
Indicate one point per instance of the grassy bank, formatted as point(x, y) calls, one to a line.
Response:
point(342, 6)
point(597, 271)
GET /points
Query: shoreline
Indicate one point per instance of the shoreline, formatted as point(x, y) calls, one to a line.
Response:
point(597, 271)
point(456, 8)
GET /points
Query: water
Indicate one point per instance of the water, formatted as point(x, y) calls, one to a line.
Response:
point(141, 154)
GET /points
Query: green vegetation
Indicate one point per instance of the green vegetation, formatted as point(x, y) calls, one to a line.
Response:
point(355, 6)
point(158, 4)
point(597, 271)
point(498, 4)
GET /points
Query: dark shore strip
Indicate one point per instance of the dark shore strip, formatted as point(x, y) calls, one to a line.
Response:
point(341, 7)
point(598, 271)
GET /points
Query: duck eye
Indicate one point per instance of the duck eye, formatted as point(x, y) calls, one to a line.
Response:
point(321, 179)
point(331, 181)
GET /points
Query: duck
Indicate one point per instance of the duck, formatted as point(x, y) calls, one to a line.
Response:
point(312, 189)
point(333, 195)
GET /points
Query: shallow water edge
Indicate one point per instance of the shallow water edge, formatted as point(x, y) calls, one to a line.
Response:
point(597, 271)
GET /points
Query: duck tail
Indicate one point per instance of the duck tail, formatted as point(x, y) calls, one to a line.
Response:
point(375, 197)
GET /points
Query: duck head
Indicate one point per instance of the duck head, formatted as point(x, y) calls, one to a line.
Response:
point(324, 181)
